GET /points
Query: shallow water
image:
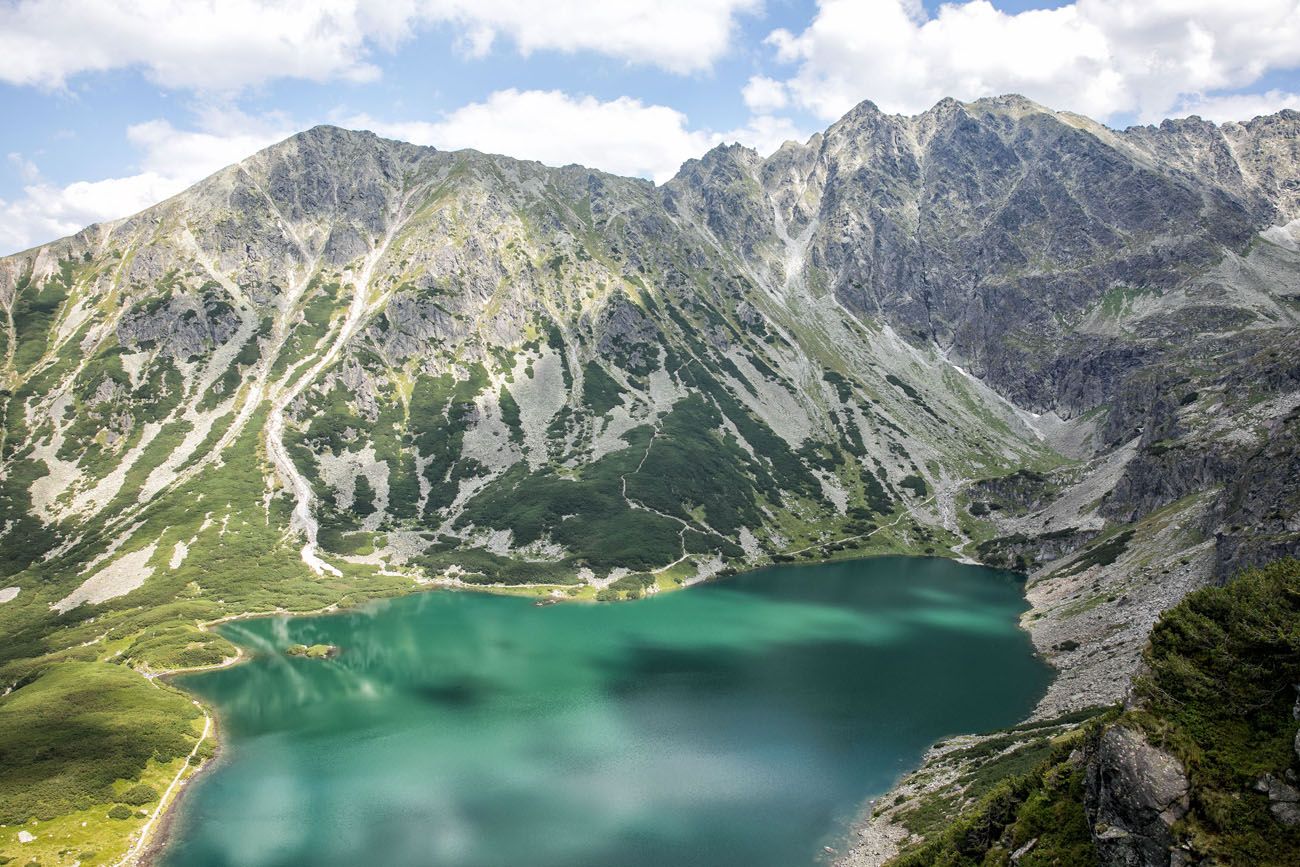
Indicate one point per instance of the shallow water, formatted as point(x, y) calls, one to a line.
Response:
point(742, 722)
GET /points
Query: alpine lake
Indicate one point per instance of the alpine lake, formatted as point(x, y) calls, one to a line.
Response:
point(745, 721)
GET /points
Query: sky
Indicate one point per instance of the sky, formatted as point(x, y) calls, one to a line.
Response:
point(112, 105)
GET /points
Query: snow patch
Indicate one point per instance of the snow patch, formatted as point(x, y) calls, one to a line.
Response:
point(8, 594)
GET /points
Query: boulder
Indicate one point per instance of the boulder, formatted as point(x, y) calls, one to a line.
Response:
point(1135, 793)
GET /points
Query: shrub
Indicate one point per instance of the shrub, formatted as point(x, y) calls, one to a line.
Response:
point(915, 484)
point(78, 727)
point(139, 795)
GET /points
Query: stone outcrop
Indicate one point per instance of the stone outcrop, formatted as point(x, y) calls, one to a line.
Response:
point(1135, 793)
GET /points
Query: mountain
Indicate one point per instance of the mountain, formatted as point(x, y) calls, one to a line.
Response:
point(349, 367)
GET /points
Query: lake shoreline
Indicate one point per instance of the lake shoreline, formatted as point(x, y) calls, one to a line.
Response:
point(161, 836)
point(844, 842)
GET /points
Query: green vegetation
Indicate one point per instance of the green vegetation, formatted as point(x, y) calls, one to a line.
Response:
point(139, 795)
point(1044, 805)
point(314, 651)
point(915, 484)
point(74, 729)
point(1218, 694)
point(1119, 300)
point(1102, 553)
point(599, 390)
point(34, 314)
point(586, 514)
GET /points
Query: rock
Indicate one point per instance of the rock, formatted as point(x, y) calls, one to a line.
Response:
point(1023, 851)
point(1283, 798)
point(1295, 715)
point(25, 837)
point(1135, 793)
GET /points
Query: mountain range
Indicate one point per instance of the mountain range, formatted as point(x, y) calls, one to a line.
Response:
point(348, 367)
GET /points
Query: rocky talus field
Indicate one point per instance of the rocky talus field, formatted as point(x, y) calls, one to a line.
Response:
point(349, 367)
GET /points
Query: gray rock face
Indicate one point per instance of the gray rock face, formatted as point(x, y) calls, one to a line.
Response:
point(987, 227)
point(1283, 797)
point(1135, 793)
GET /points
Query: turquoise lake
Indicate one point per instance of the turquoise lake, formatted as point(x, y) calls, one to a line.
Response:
point(741, 722)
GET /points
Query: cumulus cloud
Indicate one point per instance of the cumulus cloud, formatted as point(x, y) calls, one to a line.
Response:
point(764, 95)
point(1240, 106)
point(1104, 58)
point(171, 160)
point(233, 44)
point(46, 211)
point(624, 135)
point(677, 35)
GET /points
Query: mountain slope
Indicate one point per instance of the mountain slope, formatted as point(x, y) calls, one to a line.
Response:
point(350, 366)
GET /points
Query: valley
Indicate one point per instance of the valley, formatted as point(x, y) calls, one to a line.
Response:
point(350, 368)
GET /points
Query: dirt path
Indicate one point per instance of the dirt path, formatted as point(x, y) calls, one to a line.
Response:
point(893, 523)
point(145, 835)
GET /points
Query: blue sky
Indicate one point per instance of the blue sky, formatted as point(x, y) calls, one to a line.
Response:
point(111, 105)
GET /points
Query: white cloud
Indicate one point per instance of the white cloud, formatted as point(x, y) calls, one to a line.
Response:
point(46, 211)
point(1098, 57)
point(233, 44)
point(25, 168)
point(171, 160)
point(216, 46)
point(764, 95)
point(1239, 106)
point(678, 35)
point(624, 136)
point(224, 136)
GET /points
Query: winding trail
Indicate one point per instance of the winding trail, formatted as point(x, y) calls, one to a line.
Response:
point(636, 504)
point(894, 523)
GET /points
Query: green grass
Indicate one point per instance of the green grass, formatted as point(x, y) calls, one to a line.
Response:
point(1102, 553)
point(1032, 793)
point(915, 484)
point(35, 311)
point(599, 390)
point(313, 651)
point(76, 728)
point(1219, 695)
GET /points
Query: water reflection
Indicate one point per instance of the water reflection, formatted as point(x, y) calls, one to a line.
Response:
point(735, 724)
